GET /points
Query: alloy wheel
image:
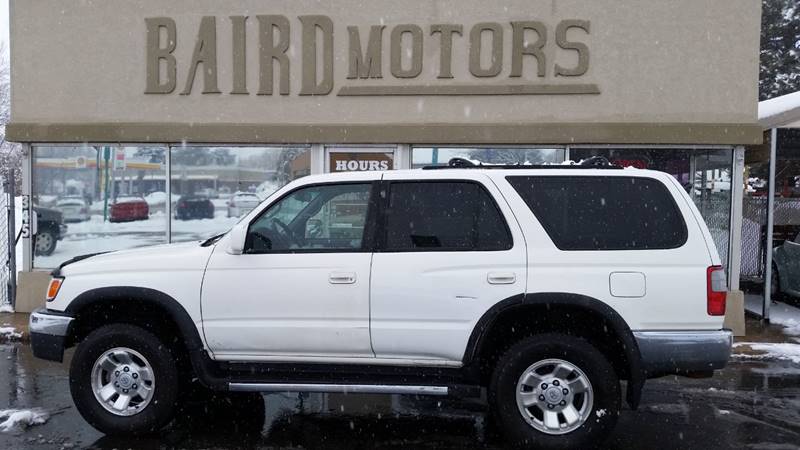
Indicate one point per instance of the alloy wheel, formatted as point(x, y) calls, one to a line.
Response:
point(123, 381)
point(554, 396)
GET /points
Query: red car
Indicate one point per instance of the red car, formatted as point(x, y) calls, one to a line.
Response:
point(129, 209)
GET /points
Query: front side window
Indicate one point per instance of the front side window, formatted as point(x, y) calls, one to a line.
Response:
point(604, 213)
point(443, 216)
point(321, 218)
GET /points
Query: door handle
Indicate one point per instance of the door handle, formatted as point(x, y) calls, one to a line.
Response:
point(502, 278)
point(342, 278)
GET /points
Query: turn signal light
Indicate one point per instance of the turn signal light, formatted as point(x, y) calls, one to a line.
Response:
point(52, 289)
point(717, 290)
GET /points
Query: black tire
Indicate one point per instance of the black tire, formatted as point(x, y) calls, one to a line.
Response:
point(155, 415)
point(46, 242)
point(604, 382)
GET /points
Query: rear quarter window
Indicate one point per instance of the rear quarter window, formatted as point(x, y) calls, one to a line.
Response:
point(604, 213)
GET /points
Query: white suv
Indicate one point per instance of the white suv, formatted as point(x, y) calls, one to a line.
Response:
point(546, 286)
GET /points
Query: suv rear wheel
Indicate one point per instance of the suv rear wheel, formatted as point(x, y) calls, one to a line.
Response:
point(123, 379)
point(555, 391)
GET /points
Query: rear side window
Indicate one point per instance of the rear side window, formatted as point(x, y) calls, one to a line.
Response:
point(604, 213)
point(443, 216)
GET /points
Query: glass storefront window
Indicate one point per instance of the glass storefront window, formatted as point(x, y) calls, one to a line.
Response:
point(704, 173)
point(440, 156)
point(213, 187)
point(91, 199)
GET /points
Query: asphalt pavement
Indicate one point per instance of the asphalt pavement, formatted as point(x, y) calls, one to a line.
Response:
point(753, 404)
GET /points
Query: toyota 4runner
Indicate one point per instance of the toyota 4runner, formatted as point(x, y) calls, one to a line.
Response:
point(544, 286)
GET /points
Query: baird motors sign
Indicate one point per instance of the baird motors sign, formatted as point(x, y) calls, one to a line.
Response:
point(400, 68)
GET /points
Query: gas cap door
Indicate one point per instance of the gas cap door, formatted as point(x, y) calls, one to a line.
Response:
point(627, 284)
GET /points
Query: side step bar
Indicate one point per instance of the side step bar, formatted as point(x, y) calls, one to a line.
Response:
point(339, 388)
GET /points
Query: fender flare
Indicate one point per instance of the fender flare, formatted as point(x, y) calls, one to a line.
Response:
point(620, 327)
point(175, 310)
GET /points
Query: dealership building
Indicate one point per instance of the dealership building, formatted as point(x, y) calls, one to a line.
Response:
point(157, 101)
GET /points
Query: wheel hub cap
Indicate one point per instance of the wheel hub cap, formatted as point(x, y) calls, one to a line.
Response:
point(123, 381)
point(554, 396)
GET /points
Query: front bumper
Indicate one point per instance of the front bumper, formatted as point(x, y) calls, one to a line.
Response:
point(683, 352)
point(49, 333)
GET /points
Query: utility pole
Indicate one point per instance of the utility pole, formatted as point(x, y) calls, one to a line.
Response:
point(12, 237)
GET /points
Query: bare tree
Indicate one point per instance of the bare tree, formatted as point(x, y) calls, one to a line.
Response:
point(10, 152)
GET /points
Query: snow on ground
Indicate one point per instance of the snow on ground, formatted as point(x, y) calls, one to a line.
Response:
point(782, 351)
point(94, 236)
point(779, 313)
point(8, 333)
point(20, 419)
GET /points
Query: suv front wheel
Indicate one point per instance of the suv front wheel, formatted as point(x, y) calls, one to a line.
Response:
point(555, 391)
point(123, 379)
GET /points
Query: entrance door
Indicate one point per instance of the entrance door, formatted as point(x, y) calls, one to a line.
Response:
point(301, 287)
point(359, 159)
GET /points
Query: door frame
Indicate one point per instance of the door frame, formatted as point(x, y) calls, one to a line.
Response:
point(361, 148)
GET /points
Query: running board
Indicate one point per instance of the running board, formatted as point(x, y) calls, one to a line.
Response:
point(339, 388)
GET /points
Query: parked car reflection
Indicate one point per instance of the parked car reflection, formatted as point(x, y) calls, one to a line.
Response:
point(129, 209)
point(786, 270)
point(190, 207)
point(74, 209)
point(242, 203)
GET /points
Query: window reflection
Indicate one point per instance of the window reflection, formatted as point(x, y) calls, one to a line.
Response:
point(213, 187)
point(91, 199)
point(440, 156)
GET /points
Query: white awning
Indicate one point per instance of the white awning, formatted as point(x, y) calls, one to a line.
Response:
point(780, 112)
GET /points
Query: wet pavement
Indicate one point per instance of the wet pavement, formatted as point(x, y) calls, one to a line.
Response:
point(752, 404)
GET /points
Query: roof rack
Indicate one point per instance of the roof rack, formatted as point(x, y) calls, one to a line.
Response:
point(595, 162)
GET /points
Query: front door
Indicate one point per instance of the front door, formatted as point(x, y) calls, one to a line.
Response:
point(301, 287)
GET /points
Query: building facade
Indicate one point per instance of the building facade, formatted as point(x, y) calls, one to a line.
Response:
point(122, 101)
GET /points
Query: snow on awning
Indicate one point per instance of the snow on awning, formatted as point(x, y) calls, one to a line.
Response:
point(780, 112)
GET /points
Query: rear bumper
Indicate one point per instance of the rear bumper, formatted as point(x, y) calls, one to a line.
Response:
point(49, 332)
point(683, 352)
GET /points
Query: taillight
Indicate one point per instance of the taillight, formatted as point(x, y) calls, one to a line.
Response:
point(717, 290)
point(53, 288)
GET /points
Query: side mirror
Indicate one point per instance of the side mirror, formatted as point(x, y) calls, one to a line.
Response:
point(236, 241)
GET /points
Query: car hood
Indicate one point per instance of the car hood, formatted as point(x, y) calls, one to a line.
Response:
point(158, 258)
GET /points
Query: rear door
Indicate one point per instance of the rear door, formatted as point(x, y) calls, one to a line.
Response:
point(448, 251)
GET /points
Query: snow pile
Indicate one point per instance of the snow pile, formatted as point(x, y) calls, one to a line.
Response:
point(6, 308)
point(9, 334)
point(783, 352)
point(19, 419)
point(779, 111)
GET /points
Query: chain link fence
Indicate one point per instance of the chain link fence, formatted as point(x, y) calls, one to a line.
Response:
point(754, 231)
